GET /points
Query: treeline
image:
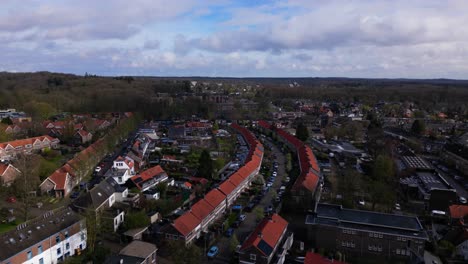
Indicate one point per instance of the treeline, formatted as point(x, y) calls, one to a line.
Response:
point(44, 92)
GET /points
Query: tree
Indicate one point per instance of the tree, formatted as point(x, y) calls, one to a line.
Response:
point(383, 169)
point(233, 243)
point(259, 213)
point(418, 127)
point(39, 110)
point(205, 165)
point(26, 183)
point(7, 121)
point(136, 220)
point(162, 189)
point(302, 132)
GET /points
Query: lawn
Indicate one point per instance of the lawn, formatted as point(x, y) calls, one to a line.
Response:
point(5, 227)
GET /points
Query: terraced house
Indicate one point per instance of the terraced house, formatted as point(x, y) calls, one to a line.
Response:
point(8, 150)
point(50, 238)
point(191, 225)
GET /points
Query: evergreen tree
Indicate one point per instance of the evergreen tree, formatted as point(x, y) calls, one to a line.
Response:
point(302, 132)
point(418, 127)
point(205, 165)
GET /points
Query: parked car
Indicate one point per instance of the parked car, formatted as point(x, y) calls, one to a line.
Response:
point(236, 223)
point(462, 200)
point(242, 217)
point(11, 199)
point(249, 207)
point(98, 169)
point(214, 250)
point(75, 195)
point(229, 232)
point(287, 179)
point(458, 178)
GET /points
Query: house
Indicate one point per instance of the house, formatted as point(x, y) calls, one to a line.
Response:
point(151, 194)
point(101, 124)
point(149, 178)
point(366, 234)
point(50, 238)
point(82, 136)
point(8, 174)
point(262, 244)
point(190, 226)
point(102, 196)
point(315, 258)
point(137, 252)
point(122, 169)
point(306, 189)
point(458, 230)
point(59, 183)
point(9, 150)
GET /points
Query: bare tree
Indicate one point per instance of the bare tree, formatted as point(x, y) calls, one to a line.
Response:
point(27, 182)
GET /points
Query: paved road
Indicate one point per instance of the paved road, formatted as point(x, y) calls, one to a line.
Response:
point(250, 222)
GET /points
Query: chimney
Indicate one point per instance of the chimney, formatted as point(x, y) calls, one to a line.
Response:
point(260, 235)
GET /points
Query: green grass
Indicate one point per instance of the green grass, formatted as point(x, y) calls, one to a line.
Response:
point(7, 227)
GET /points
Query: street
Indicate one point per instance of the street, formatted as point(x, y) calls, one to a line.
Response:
point(225, 254)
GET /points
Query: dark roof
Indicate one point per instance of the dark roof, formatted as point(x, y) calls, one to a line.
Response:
point(99, 194)
point(116, 259)
point(36, 230)
point(329, 214)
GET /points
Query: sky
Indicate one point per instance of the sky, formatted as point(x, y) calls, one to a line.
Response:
point(238, 38)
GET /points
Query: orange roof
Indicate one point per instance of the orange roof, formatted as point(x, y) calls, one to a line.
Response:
point(3, 168)
point(236, 179)
point(186, 223)
point(59, 178)
point(269, 231)
point(201, 209)
point(24, 142)
point(147, 174)
point(458, 211)
point(227, 187)
point(214, 197)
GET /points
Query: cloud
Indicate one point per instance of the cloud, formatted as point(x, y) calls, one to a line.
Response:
point(237, 38)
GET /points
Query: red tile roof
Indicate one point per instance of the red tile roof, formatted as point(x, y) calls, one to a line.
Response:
point(24, 142)
point(227, 187)
point(186, 223)
point(458, 211)
point(314, 258)
point(309, 176)
point(214, 197)
point(269, 231)
point(147, 174)
point(201, 209)
point(59, 178)
point(3, 168)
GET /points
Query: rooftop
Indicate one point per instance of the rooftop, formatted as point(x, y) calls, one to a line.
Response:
point(266, 235)
point(28, 234)
point(330, 214)
point(415, 162)
point(138, 249)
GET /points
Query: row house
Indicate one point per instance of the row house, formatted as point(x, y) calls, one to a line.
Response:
point(63, 180)
point(50, 238)
point(203, 213)
point(306, 189)
point(9, 150)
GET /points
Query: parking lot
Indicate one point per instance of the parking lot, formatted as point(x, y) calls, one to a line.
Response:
point(225, 255)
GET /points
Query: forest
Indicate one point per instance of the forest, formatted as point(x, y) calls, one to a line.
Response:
point(43, 93)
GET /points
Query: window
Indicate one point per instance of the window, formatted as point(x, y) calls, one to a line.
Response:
point(398, 251)
point(66, 234)
point(41, 261)
point(57, 239)
point(39, 249)
point(82, 237)
point(120, 179)
point(59, 251)
point(253, 257)
point(29, 255)
point(121, 217)
point(67, 246)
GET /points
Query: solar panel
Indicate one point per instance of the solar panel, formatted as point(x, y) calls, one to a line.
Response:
point(263, 246)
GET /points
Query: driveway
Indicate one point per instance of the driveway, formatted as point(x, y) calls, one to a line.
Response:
point(249, 224)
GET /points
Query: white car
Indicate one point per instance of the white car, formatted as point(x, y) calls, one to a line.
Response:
point(462, 200)
point(362, 202)
point(98, 169)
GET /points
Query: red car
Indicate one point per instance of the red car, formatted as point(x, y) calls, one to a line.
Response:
point(11, 199)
